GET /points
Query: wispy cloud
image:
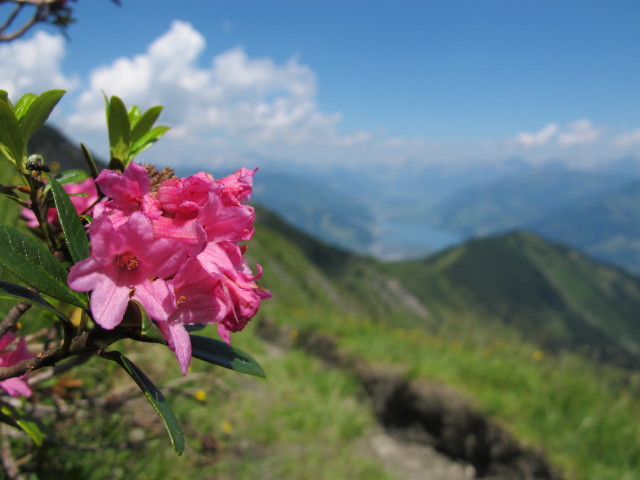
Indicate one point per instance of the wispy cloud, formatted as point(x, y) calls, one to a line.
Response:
point(579, 132)
point(539, 138)
point(629, 139)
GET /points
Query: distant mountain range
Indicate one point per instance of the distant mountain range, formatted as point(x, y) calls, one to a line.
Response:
point(596, 212)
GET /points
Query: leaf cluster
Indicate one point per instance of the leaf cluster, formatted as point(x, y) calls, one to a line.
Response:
point(130, 132)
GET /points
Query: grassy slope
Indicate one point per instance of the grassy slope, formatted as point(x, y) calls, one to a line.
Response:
point(583, 414)
point(551, 294)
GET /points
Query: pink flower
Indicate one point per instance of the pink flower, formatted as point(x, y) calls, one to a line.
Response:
point(237, 187)
point(81, 202)
point(127, 263)
point(241, 294)
point(14, 386)
point(127, 191)
point(173, 251)
point(199, 299)
point(227, 223)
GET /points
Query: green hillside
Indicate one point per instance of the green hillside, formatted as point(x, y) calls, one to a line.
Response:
point(550, 294)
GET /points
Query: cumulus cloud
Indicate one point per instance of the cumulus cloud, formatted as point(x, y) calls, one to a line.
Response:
point(539, 138)
point(33, 65)
point(234, 98)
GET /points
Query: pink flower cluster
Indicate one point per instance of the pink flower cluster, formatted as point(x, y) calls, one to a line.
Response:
point(14, 386)
point(175, 251)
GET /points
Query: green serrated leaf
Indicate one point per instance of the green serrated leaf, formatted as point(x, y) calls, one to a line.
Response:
point(36, 266)
point(4, 96)
point(145, 123)
point(23, 104)
point(38, 112)
point(11, 140)
point(75, 234)
point(155, 397)
point(148, 139)
point(24, 421)
point(219, 353)
point(119, 130)
point(72, 176)
point(18, 292)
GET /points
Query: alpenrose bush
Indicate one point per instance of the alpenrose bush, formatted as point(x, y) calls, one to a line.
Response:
point(174, 250)
point(158, 256)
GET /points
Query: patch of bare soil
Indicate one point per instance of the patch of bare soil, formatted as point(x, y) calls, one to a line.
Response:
point(429, 431)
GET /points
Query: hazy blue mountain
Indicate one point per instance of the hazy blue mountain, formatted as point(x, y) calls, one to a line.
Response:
point(316, 208)
point(521, 201)
point(607, 227)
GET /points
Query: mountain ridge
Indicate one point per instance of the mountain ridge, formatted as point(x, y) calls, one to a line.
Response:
point(550, 293)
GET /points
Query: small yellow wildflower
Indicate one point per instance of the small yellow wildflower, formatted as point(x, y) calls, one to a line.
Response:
point(226, 427)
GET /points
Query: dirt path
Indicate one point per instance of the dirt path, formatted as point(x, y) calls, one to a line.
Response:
point(406, 460)
point(428, 431)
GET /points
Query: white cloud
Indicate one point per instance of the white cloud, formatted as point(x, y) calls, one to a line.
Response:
point(33, 65)
point(580, 132)
point(539, 138)
point(575, 133)
point(236, 97)
point(628, 139)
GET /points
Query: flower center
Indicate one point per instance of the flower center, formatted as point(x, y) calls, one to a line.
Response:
point(127, 260)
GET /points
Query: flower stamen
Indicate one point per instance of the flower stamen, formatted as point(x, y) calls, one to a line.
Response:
point(127, 260)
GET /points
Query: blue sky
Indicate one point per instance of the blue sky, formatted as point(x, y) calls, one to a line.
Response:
point(362, 81)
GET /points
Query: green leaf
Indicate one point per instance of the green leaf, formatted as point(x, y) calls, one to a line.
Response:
point(119, 130)
point(18, 292)
point(38, 112)
point(30, 261)
point(17, 417)
point(11, 140)
point(219, 353)
point(9, 192)
point(23, 104)
point(148, 139)
point(75, 234)
point(155, 397)
point(134, 115)
point(72, 176)
point(91, 163)
point(145, 123)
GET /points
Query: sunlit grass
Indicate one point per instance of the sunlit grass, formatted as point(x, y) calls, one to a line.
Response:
point(585, 417)
point(303, 421)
